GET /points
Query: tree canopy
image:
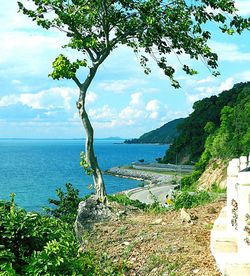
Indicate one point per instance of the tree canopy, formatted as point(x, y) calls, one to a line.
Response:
point(150, 27)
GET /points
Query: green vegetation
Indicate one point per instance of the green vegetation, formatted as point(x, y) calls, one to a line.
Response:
point(219, 127)
point(65, 207)
point(156, 207)
point(36, 244)
point(33, 244)
point(126, 201)
point(163, 135)
point(94, 29)
point(187, 199)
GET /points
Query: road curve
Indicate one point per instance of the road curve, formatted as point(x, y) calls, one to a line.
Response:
point(147, 195)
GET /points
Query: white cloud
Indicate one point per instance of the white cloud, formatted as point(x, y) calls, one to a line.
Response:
point(135, 109)
point(212, 88)
point(8, 100)
point(104, 112)
point(17, 82)
point(243, 76)
point(153, 105)
point(91, 97)
point(229, 52)
point(136, 99)
point(226, 85)
point(208, 79)
point(58, 97)
point(54, 98)
point(112, 124)
point(153, 108)
point(120, 86)
point(243, 7)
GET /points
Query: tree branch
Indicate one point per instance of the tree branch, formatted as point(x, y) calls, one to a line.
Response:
point(76, 80)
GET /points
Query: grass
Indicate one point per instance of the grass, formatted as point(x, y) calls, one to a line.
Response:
point(155, 261)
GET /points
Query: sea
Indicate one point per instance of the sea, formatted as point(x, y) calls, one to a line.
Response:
point(34, 169)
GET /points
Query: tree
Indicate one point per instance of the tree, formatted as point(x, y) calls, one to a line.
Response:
point(151, 28)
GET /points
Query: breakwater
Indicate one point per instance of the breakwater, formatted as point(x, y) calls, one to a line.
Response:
point(149, 177)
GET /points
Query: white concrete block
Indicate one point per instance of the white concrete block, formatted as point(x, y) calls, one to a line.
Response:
point(232, 179)
point(243, 162)
point(244, 214)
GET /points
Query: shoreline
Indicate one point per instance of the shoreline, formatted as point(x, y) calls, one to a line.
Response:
point(150, 178)
point(156, 185)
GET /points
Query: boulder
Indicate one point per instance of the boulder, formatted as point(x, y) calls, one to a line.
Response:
point(89, 212)
point(185, 216)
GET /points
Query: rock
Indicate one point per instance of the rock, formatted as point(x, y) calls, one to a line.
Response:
point(195, 271)
point(185, 217)
point(89, 212)
point(121, 214)
point(126, 243)
point(211, 210)
point(157, 221)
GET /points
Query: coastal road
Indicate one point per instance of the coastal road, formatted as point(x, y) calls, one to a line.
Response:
point(145, 195)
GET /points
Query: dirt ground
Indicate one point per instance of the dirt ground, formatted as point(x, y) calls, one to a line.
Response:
point(160, 244)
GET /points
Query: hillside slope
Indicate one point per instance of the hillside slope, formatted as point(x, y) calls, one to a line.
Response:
point(224, 118)
point(163, 135)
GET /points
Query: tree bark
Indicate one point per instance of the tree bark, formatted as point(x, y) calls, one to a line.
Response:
point(90, 157)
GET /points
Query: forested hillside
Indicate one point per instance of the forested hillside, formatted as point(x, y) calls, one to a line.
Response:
point(218, 127)
point(163, 135)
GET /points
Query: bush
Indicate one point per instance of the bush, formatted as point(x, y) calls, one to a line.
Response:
point(126, 201)
point(188, 181)
point(32, 244)
point(66, 206)
point(189, 200)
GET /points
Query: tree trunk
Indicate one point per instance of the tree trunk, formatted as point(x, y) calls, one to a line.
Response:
point(90, 157)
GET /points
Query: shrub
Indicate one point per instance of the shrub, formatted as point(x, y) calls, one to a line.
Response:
point(126, 201)
point(32, 244)
point(66, 206)
point(188, 200)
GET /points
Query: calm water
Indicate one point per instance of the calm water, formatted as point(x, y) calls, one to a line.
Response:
point(33, 169)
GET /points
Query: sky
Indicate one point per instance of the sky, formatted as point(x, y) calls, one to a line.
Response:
point(122, 100)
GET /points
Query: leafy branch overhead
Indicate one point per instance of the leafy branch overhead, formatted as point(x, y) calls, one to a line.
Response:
point(153, 28)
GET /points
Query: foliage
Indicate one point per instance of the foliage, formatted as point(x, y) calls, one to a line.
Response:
point(155, 207)
point(163, 135)
point(151, 28)
point(231, 139)
point(215, 188)
point(219, 127)
point(95, 28)
point(84, 164)
point(126, 201)
point(187, 199)
point(32, 244)
point(66, 206)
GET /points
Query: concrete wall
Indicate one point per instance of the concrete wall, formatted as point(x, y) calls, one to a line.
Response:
point(238, 202)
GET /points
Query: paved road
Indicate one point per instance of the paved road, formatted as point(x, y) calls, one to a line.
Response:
point(144, 195)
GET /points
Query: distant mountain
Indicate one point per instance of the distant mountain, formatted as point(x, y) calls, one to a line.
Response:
point(163, 135)
point(111, 138)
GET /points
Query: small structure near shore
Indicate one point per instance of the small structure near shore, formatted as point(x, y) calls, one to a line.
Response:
point(230, 236)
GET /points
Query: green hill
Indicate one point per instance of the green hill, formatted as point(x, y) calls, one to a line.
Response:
point(163, 135)
point(219, 127)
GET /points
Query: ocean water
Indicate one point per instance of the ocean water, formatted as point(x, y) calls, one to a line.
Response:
point(33, 169)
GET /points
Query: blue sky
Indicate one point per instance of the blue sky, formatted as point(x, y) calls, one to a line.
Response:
point(122, 101)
